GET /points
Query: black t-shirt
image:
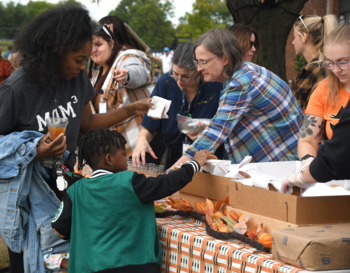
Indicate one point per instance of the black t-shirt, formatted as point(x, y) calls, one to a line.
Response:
point(332, 160)
point(24, 105)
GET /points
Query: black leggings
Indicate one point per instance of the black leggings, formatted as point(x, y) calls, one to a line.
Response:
point(16, 262)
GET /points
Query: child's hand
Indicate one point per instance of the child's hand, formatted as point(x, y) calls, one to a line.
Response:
point(201, 156)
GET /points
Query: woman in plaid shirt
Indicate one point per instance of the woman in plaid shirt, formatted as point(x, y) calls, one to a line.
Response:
point(257, 115)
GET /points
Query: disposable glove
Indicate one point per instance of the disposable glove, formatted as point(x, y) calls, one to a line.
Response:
point(305, 163)
point(297, 180)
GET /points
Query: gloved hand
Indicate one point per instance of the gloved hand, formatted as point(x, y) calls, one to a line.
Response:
point(304, 164)
point(297, 180)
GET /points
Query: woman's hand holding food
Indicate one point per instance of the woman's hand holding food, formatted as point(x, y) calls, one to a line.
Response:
point(51, 149)
point(194, 137)
point(141, 148)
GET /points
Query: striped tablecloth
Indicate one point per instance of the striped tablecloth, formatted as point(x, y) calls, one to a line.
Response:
point(186, 247)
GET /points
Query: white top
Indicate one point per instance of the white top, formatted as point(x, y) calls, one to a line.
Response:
point(166, 63)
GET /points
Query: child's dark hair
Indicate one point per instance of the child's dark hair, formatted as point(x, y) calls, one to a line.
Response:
point(43, 41)
point(96, 143)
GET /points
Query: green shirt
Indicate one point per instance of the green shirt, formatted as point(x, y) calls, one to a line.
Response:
point(110, 227)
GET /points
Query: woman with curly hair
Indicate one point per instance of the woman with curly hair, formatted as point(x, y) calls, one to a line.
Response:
point(51, 82)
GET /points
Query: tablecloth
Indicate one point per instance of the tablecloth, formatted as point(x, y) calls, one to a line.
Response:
point(187, 248)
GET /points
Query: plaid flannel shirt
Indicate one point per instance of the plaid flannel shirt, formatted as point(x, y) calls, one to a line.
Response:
point(257, 116)
point(303, 84)
point(118, 96)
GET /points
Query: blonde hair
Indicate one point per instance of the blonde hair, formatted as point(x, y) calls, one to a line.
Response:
point(341, 35)
point(319, 28)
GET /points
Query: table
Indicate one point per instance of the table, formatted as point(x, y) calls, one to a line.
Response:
point(186, 248)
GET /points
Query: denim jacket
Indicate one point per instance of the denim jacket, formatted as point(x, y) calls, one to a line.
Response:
point(27, 203)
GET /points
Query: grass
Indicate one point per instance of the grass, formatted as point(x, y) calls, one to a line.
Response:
point(3, 45)
point(4, 257)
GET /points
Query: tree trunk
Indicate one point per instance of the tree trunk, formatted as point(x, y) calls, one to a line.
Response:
point(273, 24)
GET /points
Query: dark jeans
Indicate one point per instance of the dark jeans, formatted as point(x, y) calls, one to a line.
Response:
point(158, 147)
point(16, 262)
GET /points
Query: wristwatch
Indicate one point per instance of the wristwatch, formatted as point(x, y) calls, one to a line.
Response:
point(306, 157)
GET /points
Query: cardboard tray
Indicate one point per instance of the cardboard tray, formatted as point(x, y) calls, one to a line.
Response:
point(288, 208)
point(207, 185)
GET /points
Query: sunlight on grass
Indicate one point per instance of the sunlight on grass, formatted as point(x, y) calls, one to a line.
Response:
point(4, 257)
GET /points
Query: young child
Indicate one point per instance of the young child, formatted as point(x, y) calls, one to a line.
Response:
point(109, 217)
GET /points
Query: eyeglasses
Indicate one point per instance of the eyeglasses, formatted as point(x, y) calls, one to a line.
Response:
point(203, 63)
point(330, 65)
point(301, 19)
point(183, 79)
point(104, 28)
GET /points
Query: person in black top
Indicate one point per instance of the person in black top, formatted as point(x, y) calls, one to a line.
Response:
point(109, 217)
point(332, 160)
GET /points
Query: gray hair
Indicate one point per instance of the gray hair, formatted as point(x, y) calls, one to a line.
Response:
point(183, 57)
point(222, 42)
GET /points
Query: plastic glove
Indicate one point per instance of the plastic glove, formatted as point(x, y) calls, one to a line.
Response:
point(296, 179)
point(304, 164)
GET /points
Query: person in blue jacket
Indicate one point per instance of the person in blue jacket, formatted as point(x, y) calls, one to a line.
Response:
point(190, 96)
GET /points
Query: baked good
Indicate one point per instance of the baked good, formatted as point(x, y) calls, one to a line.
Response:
point(212, 157)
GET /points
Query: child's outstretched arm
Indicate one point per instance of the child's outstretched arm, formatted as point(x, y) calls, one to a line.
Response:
point(155, 188)
point(63, 218)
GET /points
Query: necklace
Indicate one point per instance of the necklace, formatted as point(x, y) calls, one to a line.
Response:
point(55, 98)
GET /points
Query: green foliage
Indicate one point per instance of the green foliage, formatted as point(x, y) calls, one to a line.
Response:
point(206, 15)
point(299, 62)
point(148, 18)
point(35, 8)
point(16, 16)
point(12, 17)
